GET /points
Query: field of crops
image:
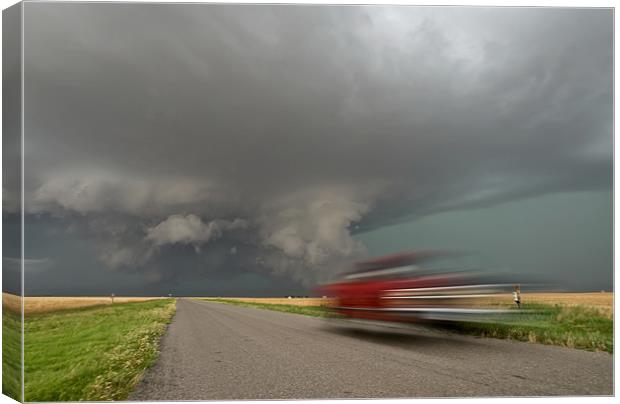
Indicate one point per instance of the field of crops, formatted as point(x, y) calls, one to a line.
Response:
point(602, 300)
point(48, 304)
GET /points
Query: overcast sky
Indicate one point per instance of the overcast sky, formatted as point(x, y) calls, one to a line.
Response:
point(253, 149)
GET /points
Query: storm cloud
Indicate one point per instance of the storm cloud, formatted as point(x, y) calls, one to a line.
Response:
point(160, 131)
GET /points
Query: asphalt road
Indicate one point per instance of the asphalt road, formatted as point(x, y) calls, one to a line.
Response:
point(215, 351)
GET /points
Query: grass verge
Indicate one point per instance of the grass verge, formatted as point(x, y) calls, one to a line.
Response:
point(11, 354)
point(93, 354)
point(580, 327)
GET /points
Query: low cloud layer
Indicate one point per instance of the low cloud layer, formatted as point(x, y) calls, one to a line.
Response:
point(262, 137)
point(190, 229)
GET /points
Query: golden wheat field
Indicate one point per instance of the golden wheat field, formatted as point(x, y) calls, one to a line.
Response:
point(602, 301)
point(46, 304)
point(598, 299)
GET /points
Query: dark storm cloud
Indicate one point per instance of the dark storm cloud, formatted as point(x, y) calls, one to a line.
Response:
point(154, 128)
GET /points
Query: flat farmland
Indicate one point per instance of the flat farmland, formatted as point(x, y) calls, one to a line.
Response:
point(35, 304)
point(600, 300)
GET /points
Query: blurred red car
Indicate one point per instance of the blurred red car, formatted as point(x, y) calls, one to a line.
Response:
point(418, 286)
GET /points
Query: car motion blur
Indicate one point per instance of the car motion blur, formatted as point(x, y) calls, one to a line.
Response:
point(419, 287)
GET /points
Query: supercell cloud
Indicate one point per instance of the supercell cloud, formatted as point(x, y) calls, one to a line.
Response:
point(260, 138)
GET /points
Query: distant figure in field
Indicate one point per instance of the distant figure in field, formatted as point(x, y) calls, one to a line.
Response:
point(516, 296)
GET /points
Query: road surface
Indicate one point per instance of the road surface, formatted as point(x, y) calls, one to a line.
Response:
point(216, 351)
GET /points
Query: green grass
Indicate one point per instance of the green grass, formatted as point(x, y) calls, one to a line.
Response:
point(95, 353)
point(575, 327)
point(11, 354)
